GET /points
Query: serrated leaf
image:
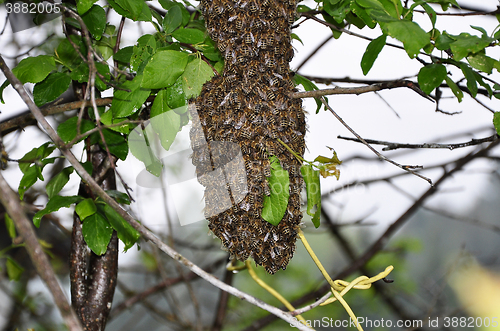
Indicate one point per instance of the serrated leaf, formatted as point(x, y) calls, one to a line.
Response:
point(455, 89)
point(14, 269)
point(34, 69)
point(85, 208)
point(372, 51)
point(172, 20)
point(95, 20)
point(313, 189)
point(197, 72)
point(97, 233)
point(165, 121)
point(275, 205)
point(409, 33)
point(126, 233)
point(9, 224)
point(496, 121)
point(163, 69)
point(56, 184)
point(431, 76)
point(67, 130)
point(51, 88)
point(126, 103)
point(54, 204)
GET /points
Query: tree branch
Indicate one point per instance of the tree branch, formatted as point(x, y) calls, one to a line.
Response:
point(381, 156)
point(362, 89)
point(393, 146)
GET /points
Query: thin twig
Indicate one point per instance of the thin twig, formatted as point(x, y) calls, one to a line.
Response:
point(393, 145)
point(381, 156)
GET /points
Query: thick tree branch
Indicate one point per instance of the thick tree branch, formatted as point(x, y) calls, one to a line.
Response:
point(14, 208)
point(362, 89)
point(146, 234)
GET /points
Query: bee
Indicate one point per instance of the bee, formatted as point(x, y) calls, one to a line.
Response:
point(274, 24)
point(274, 81)
point(245, 50)
point(256, 25)
point(253, 7)
point(249, 38)
point(262, 43)
point(267, 191)
point(271, 13)
point(270, 95)
point(252, 71)
point(241, 59)
point(256, 213)
point(266, 3)
point(219, 10)
point(246, 133)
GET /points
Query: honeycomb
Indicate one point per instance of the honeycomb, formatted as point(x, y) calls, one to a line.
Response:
point(249, 105)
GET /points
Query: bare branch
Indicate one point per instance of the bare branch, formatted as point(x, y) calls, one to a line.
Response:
point(393, 146)
point(381, 156)
point(362, 89)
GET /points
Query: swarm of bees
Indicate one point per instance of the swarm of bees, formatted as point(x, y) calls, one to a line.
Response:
point(250, 105)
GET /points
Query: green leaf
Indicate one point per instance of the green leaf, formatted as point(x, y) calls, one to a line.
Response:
point(97, 233)
point(431, 76)
point(372, 51)
point(337, 9)
point(120, 197)
point(36, 154)
point(455, 89)
point(67, 130)
point(126, 103)
point(142, 52)
point(139, 145)
point(95, 20)
point(175, 95)
point(471, 78)
point(444, 41)
point(294, 36)
point(85, 208)
point(172, 20)
point(2, 88)
point(56, 184)
point(126, 233)
point(275, 205)
point(30, 177)
point(313, 189)
point(410, 34)
point(308, 86)
point(14, 270)
point(54, 204)
point(9, 224)
point(197, 72)
point(466, 43)
point(165, 121)
point(164, 68)
point(134, 7)
point(124, 55)
point(66, 54)
point(363, 15)
point(51, 88)
point(34, 69)
point(496, 121)
point(482, 62)
point(115, 141)
point(84, 5)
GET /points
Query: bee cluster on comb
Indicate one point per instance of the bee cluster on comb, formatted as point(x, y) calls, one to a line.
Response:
point(250, 105)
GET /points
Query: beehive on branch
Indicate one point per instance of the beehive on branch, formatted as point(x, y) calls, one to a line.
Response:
point(250, 105)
